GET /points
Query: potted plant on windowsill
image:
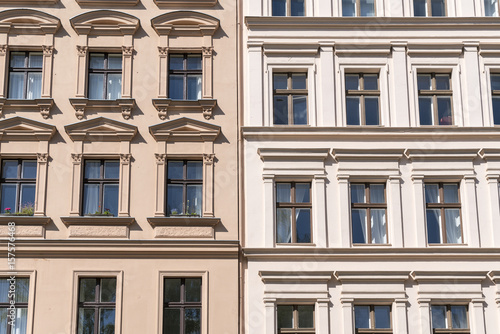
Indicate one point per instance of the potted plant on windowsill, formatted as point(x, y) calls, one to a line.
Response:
point(175, 213)
point(26, 210)
point(98, 213)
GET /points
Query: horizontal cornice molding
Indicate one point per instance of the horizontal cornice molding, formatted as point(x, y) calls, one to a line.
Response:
point(450, 276)
point(367, 154)
point(98, 220)
point(441, 154)
point(114, 3)
point(292, 277)
point(24, 220)
point(183, 221)
point(185, 3)
point(309, 154)
point(371, 276)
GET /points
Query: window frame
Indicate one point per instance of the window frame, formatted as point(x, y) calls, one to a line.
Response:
point(183, 304)
point(105, 71)
point(494, 93)
point(434, 93)
point(289, 92)
point(362, 93)
point(185, 72)
point(18, 305)
point(442, 206)
point(358, 9)
point(372, 329)
point(293, 206)
point(368, 206)
point(185, 182)
point(429, 9)
point(101, 181)
point(296, 329)
point(450, 329)
point(26, 70)
point(289, 9)
point(18, 181)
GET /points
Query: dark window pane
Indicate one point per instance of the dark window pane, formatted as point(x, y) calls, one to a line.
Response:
point(22, 290)
point(285, 316)
point(96, 86)
point(92, 169)
point(283, 192)
point(491, 7)
point(352, 82)
point(17, 59)
point(432, 193)
point(283, 225)
point(193, 289)
point(4, 291)
point(367, 8)
point(175, 199)
point(176, 62)
point(175, 170)
point(3, 320)
point(371, 111)
point(35, 60)
point(438, 8)
point(195, 170)
point(306, 316)
point(86, 321)
point(299, 110)
point(382, 316)
point(362, 316)
point(377, 193)
point(108, 290)
point(280, 109)
point(297, 7)
point(444, 111)
point(107, 321)
point(91, 199)
point(359, 235)
point(352, 108)
point(299, 81)
point(348, 8)
point(96, 61)
point(16, 85)
point(115, 61)
point(87, 290)
point(193, 321)
point(172, 321)
point(495, 80)
point(194, 62)
point(111, 169)
point(420, 7)
point(28, 169)
point(439, 319)
point(443, 81)
point(459, 317)
point(279, 7)
point(303, 223)
point(450, 193)
point(302, 193)
point(172, 290)
point(496, 110)
point(27, 198)
point(9, 170)
point(9, 194)
point(176, 87)
point(358, 193)
point(425, 110)
point(434, 226)
point(194, 87)
point(424, 82)
point(193, 204)
point(280, 81)
point(371, 81)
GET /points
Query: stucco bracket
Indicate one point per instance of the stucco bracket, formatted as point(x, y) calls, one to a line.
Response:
point(166, 106)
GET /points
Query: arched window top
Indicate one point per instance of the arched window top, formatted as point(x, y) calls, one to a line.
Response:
point(26, 21)
point(185, 23)
point(107, 22)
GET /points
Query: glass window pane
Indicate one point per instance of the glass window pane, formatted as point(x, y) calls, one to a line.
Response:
point(110, 199)
point(303, 225)
point(86, 321)
point(420, 7)
point(359, 235)
point(491, 7)
point(16, 85)
point(108, 290)
point(280, 81)
point(362, 316)
point(306, 316)
point(91, 199)
point(111, 169)
point(496, 110)
point(352, 110)
point(299, 109)
point(35, 60)
point(4, 290)
point(279, 7)
point(299, 81)
point(297, 7)
point(302, 193)
point(438, 8)
point(283, 192)
point(283, 225)
point(107, 321)
point(192, 321)
point(172, 321)
point(358, 193)
point(9, 169)
point(453, 227)
point(444, 111)
point(195, 170)
point(114, 86)
point(175, 170)
point(450, 193)
point(280, 109)
point(176, 87)
point(96, 86)
point(459, 317)
point(377, 193)
point(194, 62)
point(378, 226)
point(371, 111)
point(193, 289)
point(348, 7)
point(424, 82)
point(425, 110)
point(115, 61)
point(176, 62)
point(172, 289)
point(367, 8)
point(17, 59)
point(495, 80)
point(22, 289)
point(285, 316)
point(434, 231)
point(193, 204)
point(352, 82)
point(443, 81)
point(9, 195)
point(92, 169)
point(382, 316)
point(87, 290)
point(439, 319)
point(34, 89)
point(3, 320)
point(27, 198)
point(194, 87)
point(432, 193)
point(175, 199)
point(97, 61)
point(371, 81)
point(28, 170)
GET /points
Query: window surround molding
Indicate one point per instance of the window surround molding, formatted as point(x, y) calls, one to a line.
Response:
point(97, 274)
point(492, 159)
point(182, 32)
point(450, 9)
point(94, 35)
point(489, 64)
point(370, 166)
point(434, 287)
point(15, 26)
point(128, 3)
point(185, 3)
point(204, 295)
point(494, 275)
point(267, 7)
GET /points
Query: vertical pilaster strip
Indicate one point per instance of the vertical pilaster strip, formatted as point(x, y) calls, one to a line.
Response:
point(395, 214)
point(160, 185)
point(419, 205)
point(41, 184)
point(81, 77)
point(347, 315)
point(322, 319)
point(254, 102)
point(3, 66)
point(471, 221)
point(127, 52)
point(76, 184)
point(48, 51)
point(268, 219)
point(124, 186)
point(476, 310)
point(399, 78)
point(326, 116)
point(207, 72)
point(345, 220)
point(494, 198)
point(208, 185)
point(319, 212)
point(163, 72)
point(473, 102)
point(270, 309)
point(399, 316)
point(425, 311)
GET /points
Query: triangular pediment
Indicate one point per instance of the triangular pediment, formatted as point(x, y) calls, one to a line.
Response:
point(20, 128)
point(101, 129)
point(186, 129)
point(185, 23)
point(105, 21)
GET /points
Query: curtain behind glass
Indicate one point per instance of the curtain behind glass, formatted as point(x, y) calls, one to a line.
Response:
point(194, 87)
point(283, 225)
point(459, 317)
point(34, 90)
point(91, 198)
point(491, 7)
point(348, 7)
point(16, 85)
point(367, 7)
point(358, 226)
point(114, 87)
point(434, 230)
point(378, 226)
point(96, 86)
point(453, 228)
point(21, 321)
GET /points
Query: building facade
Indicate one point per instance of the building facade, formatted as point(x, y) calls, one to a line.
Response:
point(118, 148)
point(371, 166)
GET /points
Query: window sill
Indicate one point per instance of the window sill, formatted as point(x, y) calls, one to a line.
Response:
point(185, 3)
point(296, 245)
point(82, 104)
point(24, 220)
point(165, 106)
point(184, 227)
point(183, 220)
point(44, 105)
point(108, 2)
point(447, 245)
point(98, 220)
point(371, 245)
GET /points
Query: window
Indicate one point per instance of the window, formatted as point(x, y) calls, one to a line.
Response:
point(293, 212)
point(294, 319)
point(371, 319)
point(20, 303)
point(443, 213)
point(25, 75)
point(290, 98)
point(96, 305)
point(105, 76)
point(368, 200)
point(185, 73)
point(100, 187)
point(450, 319)
point(18, 185)
point(184, 188)
point(362, 99)
point(491, 7)
point(288, 8)
point(429, 7)
point(358, 7)
point(434, 99)
point(495, 95)
point(182, 305)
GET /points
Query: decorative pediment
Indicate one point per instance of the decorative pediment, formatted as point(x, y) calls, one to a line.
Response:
point(185, 23)
point(101, 129)
point(107, 22)
point(20, 128)
point(184, 3)
point(108, 2)
point(28, 21)
point(184, 129)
